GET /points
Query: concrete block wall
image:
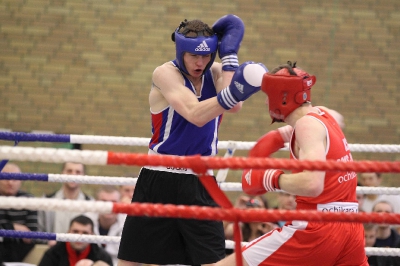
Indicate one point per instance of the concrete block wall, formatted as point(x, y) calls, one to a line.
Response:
point(84, 67)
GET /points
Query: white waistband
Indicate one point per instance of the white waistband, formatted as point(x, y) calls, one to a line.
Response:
point(178, 170)
point(338, 207)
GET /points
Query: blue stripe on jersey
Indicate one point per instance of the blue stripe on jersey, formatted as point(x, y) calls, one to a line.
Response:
point(174, 135)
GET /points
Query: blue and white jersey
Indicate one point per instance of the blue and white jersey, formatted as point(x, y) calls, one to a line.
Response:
point(174, 135)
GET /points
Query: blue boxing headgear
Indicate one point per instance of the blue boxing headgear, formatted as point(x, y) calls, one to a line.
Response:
point(199, 45)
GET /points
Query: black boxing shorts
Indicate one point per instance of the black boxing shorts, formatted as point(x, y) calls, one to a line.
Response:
point(169, 240)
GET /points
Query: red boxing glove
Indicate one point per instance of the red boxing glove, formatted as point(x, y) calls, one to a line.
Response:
point(271, 142)
point(258, 182)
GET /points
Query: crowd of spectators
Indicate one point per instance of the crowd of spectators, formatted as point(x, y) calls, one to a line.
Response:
point(379, 235)
point(14, 249)
point(72, 253)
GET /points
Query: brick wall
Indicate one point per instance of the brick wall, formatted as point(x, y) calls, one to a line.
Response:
point(84, 67)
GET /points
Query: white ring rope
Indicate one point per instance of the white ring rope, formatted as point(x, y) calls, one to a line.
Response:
point(88, 238)
point(52, 155)
point(135, 141)
point(225, 186)
point(238, 145)
point(235, 186)
point(371, 251)
point(107, 140)
point(46, 204)
point(86, 179)
point(229, 244)
point(378, 190)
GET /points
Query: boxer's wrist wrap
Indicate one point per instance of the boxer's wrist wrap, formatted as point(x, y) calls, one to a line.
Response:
point(286, 132)
point(230, 62)
point(226, 99)
point(271, 179)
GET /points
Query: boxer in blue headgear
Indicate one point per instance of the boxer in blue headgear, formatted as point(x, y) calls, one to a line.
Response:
point(187, 99)
point(200, 41)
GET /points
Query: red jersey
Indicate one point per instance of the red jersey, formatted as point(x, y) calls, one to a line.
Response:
point(338, 186)
point(305, 243)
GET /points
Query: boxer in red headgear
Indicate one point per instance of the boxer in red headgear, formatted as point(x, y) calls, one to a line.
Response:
point(316, 136)
point(287, 89)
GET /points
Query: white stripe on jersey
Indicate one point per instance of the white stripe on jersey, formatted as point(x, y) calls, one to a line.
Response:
point(167, 130)
point(214, 141)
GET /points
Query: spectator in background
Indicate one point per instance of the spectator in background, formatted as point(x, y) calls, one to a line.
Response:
point(286, 202)
point(244, 201)
point(14, 249)
point(253, 230)
point(70, 253)
point(370, 232)
point(386, 236)
point(360, 199)
point(58, 221)
point(375, 180)
point(126, 192)
point(108, 224)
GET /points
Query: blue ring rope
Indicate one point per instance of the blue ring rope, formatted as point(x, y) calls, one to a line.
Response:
point(33, 235)
point(21, 136)
point(24, 176)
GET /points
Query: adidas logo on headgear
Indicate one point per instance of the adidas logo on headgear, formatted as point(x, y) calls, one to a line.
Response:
point(203, 47)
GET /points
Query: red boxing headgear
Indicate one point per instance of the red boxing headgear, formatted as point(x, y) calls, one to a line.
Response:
point(286, 92)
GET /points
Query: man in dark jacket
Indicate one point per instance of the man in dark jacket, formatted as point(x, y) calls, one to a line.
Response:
point(386, 237)
point(15, 249)
point(69, 253)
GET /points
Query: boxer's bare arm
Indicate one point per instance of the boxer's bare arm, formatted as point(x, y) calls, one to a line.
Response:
point(169, 89)
point(310, 145)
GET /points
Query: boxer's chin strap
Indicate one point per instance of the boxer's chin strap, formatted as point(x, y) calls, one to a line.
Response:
point(221, 199)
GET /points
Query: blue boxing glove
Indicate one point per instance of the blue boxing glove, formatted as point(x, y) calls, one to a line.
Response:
point(245, 82)
point(230, 31)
